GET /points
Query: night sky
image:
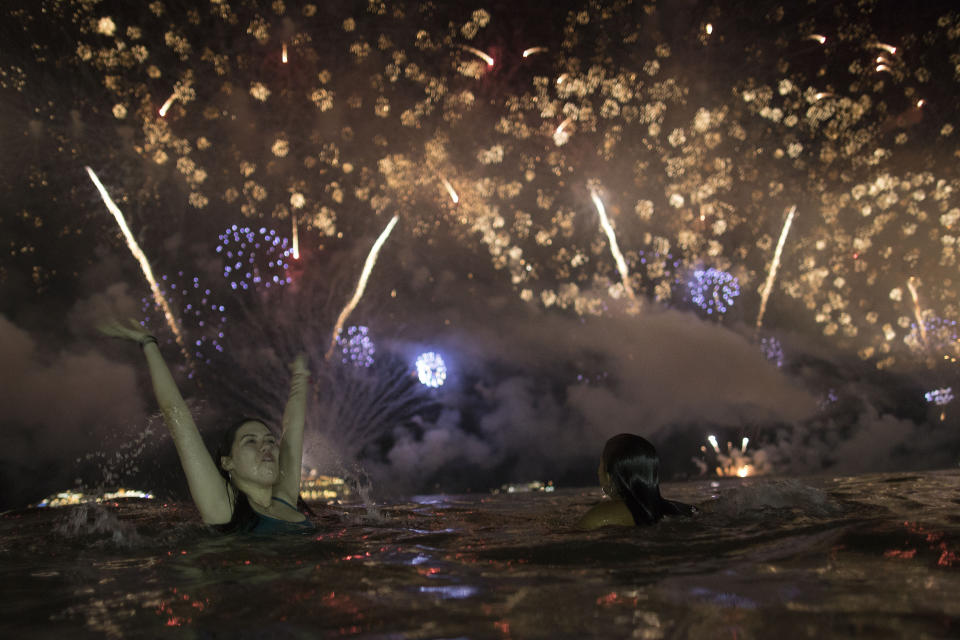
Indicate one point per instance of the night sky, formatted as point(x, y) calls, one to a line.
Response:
point(697, 127)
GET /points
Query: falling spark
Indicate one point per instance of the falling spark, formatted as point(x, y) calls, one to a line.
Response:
point(921, 327)
point(167, 104)
point(883, 67)
point(743, 444)
point(882, 60)
point(774, 266)
point(283, 55)
point(562, 126)
point(562, 78)
point(480, 54)
point(713, 443)
point(296, 239)
point(532, 50)
point(820, 95)
point(920, 103)
point(614, 248)
point(819, 38)
point(886, 47)
point(709, 29)
point(450, 190)
point(361, 284)
point(142, 259)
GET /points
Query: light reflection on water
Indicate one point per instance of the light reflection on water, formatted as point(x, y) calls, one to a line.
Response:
point(830, 557)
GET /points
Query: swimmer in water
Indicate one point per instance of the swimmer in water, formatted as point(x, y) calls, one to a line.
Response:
point(254, 484)
point(629, 473)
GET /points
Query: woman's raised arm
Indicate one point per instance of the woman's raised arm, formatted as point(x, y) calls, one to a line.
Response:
point(291, 440)
point(207, 486)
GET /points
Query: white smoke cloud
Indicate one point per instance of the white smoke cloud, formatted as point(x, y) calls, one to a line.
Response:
point(59, 401)
point(639, 374)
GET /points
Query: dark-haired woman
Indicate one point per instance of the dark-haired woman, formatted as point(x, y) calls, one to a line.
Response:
point(254, 484)
point(629, 473)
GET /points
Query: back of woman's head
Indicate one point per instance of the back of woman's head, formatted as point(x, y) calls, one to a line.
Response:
point(634, 468)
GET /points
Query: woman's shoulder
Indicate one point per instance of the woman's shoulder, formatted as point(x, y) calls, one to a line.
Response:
point(607, 513)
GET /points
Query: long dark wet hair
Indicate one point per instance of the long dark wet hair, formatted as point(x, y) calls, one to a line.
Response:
point(243, 518)
point(634, 469)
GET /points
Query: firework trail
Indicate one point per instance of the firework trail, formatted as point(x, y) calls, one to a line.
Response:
point(296, 239)
point(361, 284)
point(774, 266)
point(166, 106)
point(480, 54)
point(921, 327)
point(450, 190)
point(142, 259)
point(614, 247)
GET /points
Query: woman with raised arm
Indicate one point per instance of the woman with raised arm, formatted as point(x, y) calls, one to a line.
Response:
point(629, 473)
point(253, 485)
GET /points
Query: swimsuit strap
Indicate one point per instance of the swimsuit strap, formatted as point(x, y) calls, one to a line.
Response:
point(285, 502)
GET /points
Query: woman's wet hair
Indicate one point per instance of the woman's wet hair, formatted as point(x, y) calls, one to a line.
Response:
point(634, 468)
point(243, 518)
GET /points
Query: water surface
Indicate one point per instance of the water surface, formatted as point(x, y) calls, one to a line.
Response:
point(873, 556)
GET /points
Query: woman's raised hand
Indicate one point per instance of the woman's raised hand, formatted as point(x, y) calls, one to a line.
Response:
point(129, 330)
point(299, 364)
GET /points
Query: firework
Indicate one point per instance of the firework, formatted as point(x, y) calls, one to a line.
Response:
point(735, 462)
point(772, 350)
point(560, 135)
point(480, 54)
point(254, 258)
point(714, 290)
point(921, 327)
point(712, 439)
point(296, 237)
point(940, 396)
point(283, 53)
point(774, 265)
point(166, 105)
point(142, 259)
point(361, 283)
point(779, 130)
point(892, 50)
point(934, 336)
point(201, 316)
point(431, 369)
point(356, 347)
point(450, 190)
point(614, 248)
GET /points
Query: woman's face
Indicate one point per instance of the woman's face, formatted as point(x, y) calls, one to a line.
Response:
point(255, 455)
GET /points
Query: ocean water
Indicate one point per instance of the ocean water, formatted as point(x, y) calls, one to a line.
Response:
point(872, 556)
